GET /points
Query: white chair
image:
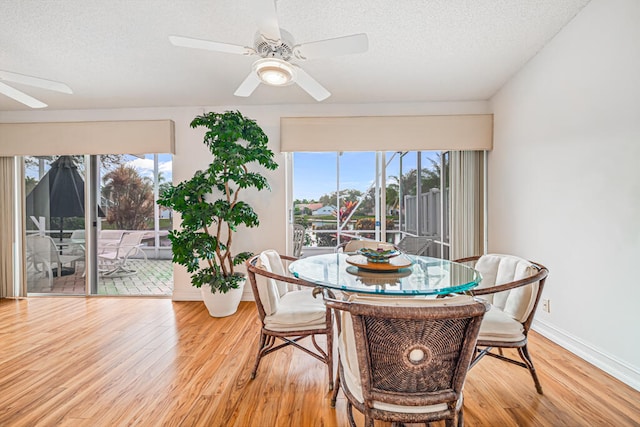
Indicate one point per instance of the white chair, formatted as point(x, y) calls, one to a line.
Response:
point(76, 244)
point(113, 259)
point(44, 255)
point(298, 240)
point(512, 286)
point(287, 314)
point(109, 239)
point(415, 245)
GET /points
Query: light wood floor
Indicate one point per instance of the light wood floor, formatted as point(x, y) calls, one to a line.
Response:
point(154, 362)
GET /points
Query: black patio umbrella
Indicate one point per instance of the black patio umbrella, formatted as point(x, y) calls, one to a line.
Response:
point(59, 194)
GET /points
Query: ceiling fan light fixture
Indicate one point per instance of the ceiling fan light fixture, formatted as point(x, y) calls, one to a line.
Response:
point(274, 71)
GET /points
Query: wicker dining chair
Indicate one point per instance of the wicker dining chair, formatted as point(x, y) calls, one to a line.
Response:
point(512, 286)
point(404, 360)
point(287, 310)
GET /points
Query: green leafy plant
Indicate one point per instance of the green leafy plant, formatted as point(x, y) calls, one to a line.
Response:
point(204, 242)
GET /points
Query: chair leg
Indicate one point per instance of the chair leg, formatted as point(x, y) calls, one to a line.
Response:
point(336, 387)
point(524, 354)
point(460, 418)
point(368, 420)
point(330, 360)
point(352, 423)
point(263, 338)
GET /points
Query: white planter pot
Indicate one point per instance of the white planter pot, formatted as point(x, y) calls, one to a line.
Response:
point(222, 305)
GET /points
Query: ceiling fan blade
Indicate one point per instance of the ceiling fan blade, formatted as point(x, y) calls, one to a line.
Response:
point(209, 45)
point(21, 96)
point(311, 86)
point(267, 19)
point(355, 43)
point(248, 85)
point(34, 81)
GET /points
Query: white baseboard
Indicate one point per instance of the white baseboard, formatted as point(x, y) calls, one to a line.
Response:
point(247, 294)
point(193, 294)
point(619, 369)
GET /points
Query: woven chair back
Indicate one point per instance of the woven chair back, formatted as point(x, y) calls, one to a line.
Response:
point(414, 355)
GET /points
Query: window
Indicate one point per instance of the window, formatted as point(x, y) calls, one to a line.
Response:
point(371, 195)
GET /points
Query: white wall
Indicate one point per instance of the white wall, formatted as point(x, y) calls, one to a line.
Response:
point(192, 154)
point(564, 182)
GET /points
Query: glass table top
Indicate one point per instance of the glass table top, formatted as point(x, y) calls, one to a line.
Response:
point(424, 275)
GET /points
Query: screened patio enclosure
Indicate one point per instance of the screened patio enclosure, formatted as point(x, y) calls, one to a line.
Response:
point(93, 228)
point(388, 196)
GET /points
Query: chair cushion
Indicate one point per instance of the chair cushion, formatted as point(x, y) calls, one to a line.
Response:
point(499, 269)
point(348, 352)
point(270, 290)
point(272, 262)
point(500, 326)
point(297, 311)
point(267, 291)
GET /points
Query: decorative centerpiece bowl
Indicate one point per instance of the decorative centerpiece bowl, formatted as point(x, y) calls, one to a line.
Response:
point(378, 255)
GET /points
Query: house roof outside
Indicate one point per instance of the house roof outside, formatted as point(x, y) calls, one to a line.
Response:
point(325, 210)
point(310, 206)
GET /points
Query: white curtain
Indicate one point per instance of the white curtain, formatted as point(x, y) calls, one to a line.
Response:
point(7, 230)
point(467, 203)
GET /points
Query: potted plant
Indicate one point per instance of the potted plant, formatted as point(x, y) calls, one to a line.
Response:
point(211, 210)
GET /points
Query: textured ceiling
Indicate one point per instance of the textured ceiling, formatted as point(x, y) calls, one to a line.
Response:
point(116, 53)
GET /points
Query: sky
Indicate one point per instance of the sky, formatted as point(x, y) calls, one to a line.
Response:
point(314, 174)
point(145, 166)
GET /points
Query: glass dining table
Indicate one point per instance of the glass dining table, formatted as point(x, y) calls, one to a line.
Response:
point(414, 275)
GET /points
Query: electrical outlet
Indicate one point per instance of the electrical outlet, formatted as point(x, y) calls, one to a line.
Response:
point(546, 305)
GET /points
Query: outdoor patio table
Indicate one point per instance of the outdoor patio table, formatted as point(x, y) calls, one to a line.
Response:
point(424, 275)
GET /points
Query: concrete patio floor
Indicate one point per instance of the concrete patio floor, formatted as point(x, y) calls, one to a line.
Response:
point(152, 278)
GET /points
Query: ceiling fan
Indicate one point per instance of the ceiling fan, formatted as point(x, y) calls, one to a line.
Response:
point(29, 81)
point(278, 53)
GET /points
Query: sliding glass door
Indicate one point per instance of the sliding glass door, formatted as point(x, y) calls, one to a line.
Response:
point(93, 227)
point(133, 251)
point(55, 244)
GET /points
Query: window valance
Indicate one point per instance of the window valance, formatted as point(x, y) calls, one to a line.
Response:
point(387, 133)
point(105, 137)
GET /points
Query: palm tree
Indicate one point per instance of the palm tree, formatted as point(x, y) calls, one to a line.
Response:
point(130, 198)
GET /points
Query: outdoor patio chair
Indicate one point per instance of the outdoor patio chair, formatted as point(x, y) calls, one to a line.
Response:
point(513, 287)
point(415, 245)
point(76, 244)
point(287, 314)
point(298, 240)
point(109, 239)
point(45, 256)
point(113, 259)
point(404, 360)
